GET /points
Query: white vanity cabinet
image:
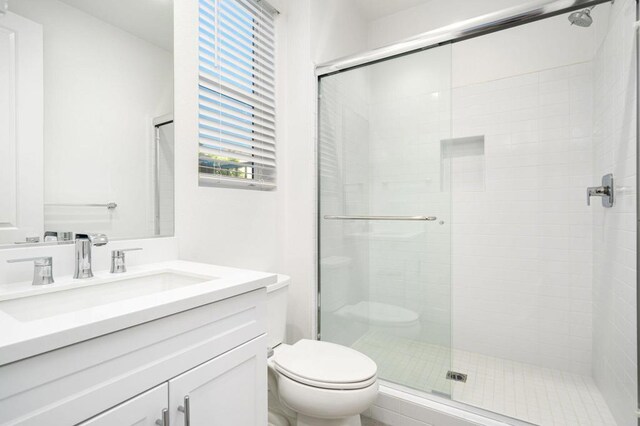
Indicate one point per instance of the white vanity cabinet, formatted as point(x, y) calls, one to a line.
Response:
point(143, 410)
point(213, 354)
point(227, 390)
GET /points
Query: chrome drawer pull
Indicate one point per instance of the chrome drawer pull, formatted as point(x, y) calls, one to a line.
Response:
point(185, 409)
point(164, 421)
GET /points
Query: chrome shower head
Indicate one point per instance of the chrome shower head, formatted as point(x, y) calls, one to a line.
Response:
point(581, 18)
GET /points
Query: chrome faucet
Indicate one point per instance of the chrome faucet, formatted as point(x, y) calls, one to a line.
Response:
point(84, 242)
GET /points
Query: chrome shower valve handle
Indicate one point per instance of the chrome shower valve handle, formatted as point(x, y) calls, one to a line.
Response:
point(606, 191)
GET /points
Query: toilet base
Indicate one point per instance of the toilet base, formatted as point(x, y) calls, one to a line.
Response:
point(303, 420)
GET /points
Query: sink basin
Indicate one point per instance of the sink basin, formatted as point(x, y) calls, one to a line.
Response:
point(32, 308)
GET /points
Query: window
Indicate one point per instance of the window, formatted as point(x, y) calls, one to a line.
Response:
point(237, 94)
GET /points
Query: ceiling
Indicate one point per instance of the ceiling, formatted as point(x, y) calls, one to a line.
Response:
point(375, 9)
point(151, 20)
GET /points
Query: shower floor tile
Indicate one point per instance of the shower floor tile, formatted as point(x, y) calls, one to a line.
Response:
point(527, 392)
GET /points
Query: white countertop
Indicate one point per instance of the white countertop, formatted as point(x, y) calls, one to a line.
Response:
point(22, 339)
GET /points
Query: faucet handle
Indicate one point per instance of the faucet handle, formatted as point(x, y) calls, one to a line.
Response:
point(118, 260)
point(40, 261)
point(120, 252)
point(42, 271)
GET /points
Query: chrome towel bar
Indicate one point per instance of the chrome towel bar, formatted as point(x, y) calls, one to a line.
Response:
point(429, 218)
point(110, 206)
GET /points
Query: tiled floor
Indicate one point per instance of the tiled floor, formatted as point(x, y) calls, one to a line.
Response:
point(526, 392)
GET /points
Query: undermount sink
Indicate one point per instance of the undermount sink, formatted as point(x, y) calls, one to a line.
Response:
point(40, 306)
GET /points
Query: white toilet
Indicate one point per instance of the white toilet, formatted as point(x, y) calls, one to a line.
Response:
point(314, 383)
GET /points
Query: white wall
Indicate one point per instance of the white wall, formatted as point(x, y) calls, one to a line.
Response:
point(103, 87)
point(310, 36)
point(296, 154)
point(614, 230)
point(337, 29)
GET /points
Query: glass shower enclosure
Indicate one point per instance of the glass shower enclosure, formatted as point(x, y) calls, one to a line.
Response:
point(456, 245)
point(385, 248)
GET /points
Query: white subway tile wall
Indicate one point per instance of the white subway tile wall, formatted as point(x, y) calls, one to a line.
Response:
point(614, 230)
point(522, 245)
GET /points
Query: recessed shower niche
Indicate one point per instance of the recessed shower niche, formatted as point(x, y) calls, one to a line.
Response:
point(463, 164)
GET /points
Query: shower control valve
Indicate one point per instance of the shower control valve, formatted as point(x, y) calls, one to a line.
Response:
point(605, 191)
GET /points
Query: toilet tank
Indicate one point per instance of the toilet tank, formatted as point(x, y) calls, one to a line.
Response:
point(277, 310)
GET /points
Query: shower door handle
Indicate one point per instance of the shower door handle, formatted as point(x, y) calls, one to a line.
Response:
point(413, 218)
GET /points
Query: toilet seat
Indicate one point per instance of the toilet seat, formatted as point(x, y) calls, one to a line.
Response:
point(325, 365)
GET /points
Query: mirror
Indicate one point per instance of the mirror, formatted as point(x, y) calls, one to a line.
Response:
point(86, 119)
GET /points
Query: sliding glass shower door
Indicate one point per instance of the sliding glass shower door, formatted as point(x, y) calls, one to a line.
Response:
point(385, 152)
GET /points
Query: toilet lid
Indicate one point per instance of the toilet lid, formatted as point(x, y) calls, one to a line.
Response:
point(326, 365)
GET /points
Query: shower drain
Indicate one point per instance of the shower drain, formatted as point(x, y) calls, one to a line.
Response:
point(456, 377)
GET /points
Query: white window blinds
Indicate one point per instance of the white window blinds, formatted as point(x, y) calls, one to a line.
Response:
point(237, 94)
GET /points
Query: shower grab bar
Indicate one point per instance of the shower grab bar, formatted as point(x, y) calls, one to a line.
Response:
point(110, 205)
point(429, 218)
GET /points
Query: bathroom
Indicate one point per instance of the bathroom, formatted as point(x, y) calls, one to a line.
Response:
point(348, 212)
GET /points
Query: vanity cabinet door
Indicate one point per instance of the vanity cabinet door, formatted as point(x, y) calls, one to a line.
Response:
point(228, 390)
point(143, 410)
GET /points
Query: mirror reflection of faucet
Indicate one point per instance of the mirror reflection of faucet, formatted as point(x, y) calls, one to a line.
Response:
point(58, 236)
point(606, 191)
